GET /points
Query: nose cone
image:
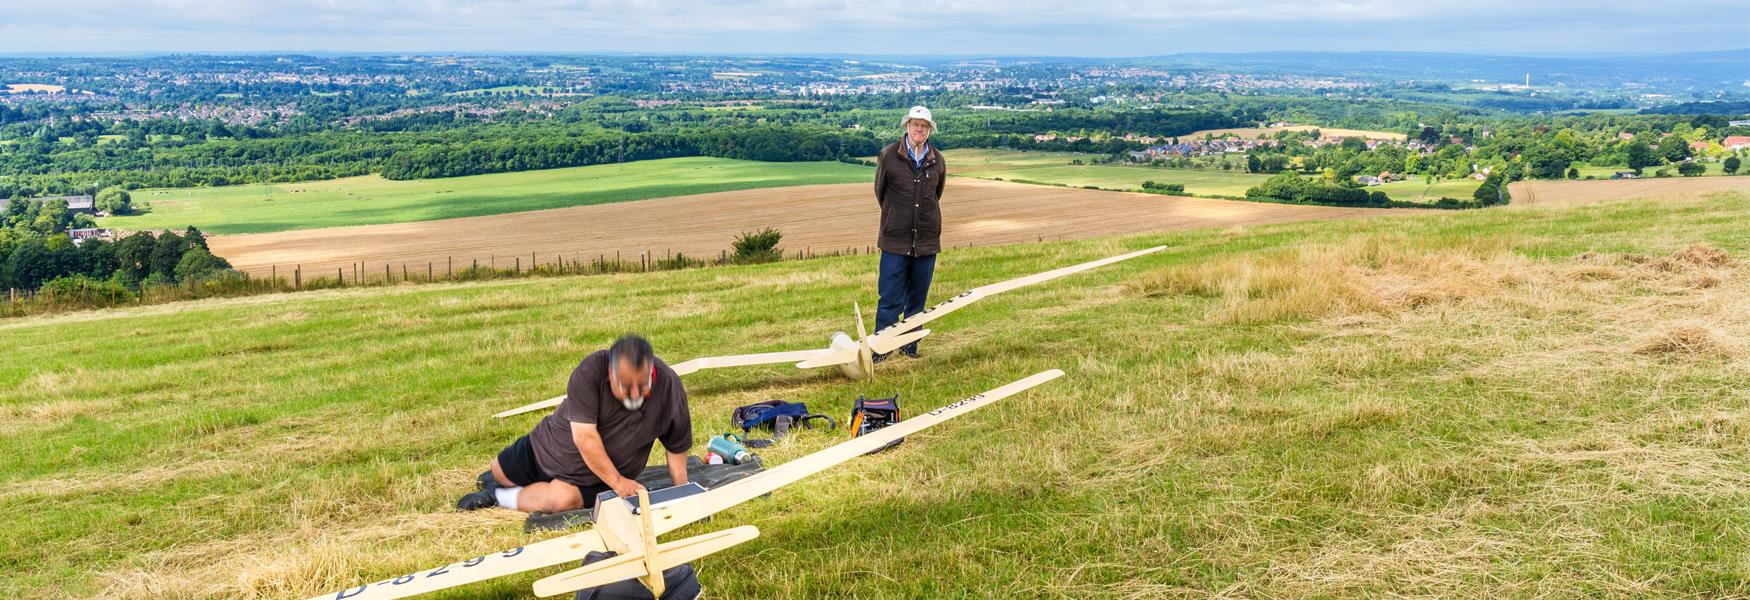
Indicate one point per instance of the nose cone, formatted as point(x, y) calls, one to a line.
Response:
point(864, 367)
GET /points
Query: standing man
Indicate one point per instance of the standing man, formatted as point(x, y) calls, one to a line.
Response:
point(618, 403)
point(909, 176)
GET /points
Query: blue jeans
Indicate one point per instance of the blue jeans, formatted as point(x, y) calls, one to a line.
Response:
point(904, 284)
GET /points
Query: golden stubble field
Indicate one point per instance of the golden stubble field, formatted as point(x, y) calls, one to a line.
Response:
point(1569, 193)
point(821, 218)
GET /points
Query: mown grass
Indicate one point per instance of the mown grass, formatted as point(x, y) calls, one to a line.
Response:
point(1055, 168)
point(1416, 189)
point(1511, 402)
point(367, 200)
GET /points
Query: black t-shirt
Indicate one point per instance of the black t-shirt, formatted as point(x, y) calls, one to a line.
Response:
point(627, 435)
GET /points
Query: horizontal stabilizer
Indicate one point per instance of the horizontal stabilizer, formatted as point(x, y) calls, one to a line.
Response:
point(621, 568)
point(612, 570)
point(830, 358)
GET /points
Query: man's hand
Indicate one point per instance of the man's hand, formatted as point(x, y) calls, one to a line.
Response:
point(626, 487)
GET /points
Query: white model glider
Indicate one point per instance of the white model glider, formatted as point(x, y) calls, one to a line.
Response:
point(855, 358)
point(632, 536)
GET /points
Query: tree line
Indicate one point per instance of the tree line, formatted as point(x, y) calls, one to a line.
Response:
point(36, 251)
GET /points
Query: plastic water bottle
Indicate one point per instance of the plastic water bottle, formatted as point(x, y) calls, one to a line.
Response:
point(729, 446)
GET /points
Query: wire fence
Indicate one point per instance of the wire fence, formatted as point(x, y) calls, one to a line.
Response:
point(295, 278)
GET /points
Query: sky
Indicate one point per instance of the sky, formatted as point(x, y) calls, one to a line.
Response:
point(919, 27)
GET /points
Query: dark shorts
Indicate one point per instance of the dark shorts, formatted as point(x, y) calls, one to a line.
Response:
point(518, 463)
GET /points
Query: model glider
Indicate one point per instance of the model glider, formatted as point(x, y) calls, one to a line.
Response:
point(856, 358)
point(633, 535)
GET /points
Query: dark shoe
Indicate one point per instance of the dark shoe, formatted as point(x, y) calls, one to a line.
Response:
point(910, 352)
point(879, 358)
point(486, 482)
point(477, 501)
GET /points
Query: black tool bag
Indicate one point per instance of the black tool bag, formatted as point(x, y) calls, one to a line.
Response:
point(679, 583)
point(871, 414)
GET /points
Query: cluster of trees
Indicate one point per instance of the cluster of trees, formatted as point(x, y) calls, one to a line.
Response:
point(1163, 188)
point(1493, 191)
point(1291, 187)
point(36, 251)
point(1519, 149)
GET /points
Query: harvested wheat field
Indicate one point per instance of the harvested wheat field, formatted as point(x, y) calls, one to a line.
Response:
point(1570, 193)
point(817, 218)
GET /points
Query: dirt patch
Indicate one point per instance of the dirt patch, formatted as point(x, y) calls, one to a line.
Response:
point(818, 218)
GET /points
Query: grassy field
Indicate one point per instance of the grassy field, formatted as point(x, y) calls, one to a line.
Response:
point(1417, 190)
point(1055, 167)
point(1512, 402)
point(367, 200)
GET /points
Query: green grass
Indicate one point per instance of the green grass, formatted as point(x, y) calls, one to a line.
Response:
point(1417, 190)
point(1442, 405)
point(1055, 168)
point(370, 199)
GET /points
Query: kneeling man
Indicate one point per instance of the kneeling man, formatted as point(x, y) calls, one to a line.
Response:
point(618, 403)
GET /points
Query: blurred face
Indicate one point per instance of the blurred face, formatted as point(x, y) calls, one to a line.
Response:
point(630, 382)
point(918, 130)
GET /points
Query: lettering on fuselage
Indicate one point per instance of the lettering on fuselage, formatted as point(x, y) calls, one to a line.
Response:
point(955, 405)
point(405, 579)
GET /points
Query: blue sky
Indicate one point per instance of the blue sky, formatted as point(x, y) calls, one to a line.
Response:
point(979, 27)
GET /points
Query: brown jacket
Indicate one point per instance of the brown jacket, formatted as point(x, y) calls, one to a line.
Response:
point(910, 199)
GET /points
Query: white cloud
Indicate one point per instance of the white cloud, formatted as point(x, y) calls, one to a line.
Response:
point(1112, 28)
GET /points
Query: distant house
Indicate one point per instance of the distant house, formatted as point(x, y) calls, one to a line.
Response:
point(1697, 146)
point(3, 203)
point(1368, 180)
point(1625, 175)
point(1743, 123)
point(93, 233)
point(1735, 142)
point(1625, 136)
point(84, 204)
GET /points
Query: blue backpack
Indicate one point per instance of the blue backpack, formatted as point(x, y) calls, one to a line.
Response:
point(777, 415)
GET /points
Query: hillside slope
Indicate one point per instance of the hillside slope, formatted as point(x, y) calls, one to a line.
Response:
point(1489, 403)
